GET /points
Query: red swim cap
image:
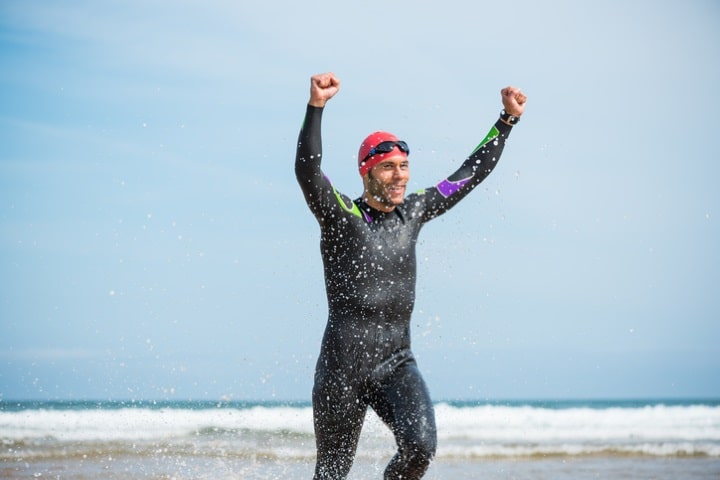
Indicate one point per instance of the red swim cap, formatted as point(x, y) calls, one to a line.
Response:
point(373, 140)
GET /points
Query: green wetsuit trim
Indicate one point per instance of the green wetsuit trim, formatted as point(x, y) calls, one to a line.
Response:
point(492, 135)
point(355, 210)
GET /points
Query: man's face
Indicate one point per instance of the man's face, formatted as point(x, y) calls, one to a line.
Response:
point(385, 183)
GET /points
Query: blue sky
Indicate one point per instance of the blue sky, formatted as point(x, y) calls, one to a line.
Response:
point(154, 243)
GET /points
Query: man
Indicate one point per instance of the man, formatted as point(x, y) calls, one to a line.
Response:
point(368, 252)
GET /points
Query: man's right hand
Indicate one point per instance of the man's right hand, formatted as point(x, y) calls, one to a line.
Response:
point(323, 87)
point(513, 100)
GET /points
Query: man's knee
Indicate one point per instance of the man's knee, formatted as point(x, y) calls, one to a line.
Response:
point(423, 443)
point(422, 451)
point(412, 460)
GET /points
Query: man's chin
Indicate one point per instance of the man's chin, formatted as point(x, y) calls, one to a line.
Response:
point(396, 198)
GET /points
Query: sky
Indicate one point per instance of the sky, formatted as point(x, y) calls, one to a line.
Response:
point(154, 243)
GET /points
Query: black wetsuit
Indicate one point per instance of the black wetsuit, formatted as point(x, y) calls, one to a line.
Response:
point(370, 269)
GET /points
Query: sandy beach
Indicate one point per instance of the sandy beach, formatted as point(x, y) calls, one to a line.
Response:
point(161, 467)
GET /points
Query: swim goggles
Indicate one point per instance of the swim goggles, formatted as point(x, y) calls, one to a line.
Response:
point(387, 147)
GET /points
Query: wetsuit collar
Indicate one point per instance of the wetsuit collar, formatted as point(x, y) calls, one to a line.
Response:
point(371, 214)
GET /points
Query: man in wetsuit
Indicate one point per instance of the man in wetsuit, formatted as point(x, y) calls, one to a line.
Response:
point(368, 252)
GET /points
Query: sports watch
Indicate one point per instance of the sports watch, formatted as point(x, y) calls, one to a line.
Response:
point(509, 119)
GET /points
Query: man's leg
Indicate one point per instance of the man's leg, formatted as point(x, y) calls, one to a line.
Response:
point(403, 403)
point(338, 417)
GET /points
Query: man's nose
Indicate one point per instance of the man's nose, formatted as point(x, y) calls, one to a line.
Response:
point(399, 171)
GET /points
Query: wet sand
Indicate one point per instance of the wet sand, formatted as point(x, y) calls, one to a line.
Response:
point(162, 467)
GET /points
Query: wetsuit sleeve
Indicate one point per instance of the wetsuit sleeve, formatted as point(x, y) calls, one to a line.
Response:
point(483, 159)
point(320, 195)
point(308, 155)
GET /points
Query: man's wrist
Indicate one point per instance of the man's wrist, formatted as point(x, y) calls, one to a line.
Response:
point(317, 103)
point(508, 118)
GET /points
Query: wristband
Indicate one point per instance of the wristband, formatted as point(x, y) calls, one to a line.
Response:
point(509, 119)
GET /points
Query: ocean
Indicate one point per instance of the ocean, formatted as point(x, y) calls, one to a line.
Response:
point(648, 439)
